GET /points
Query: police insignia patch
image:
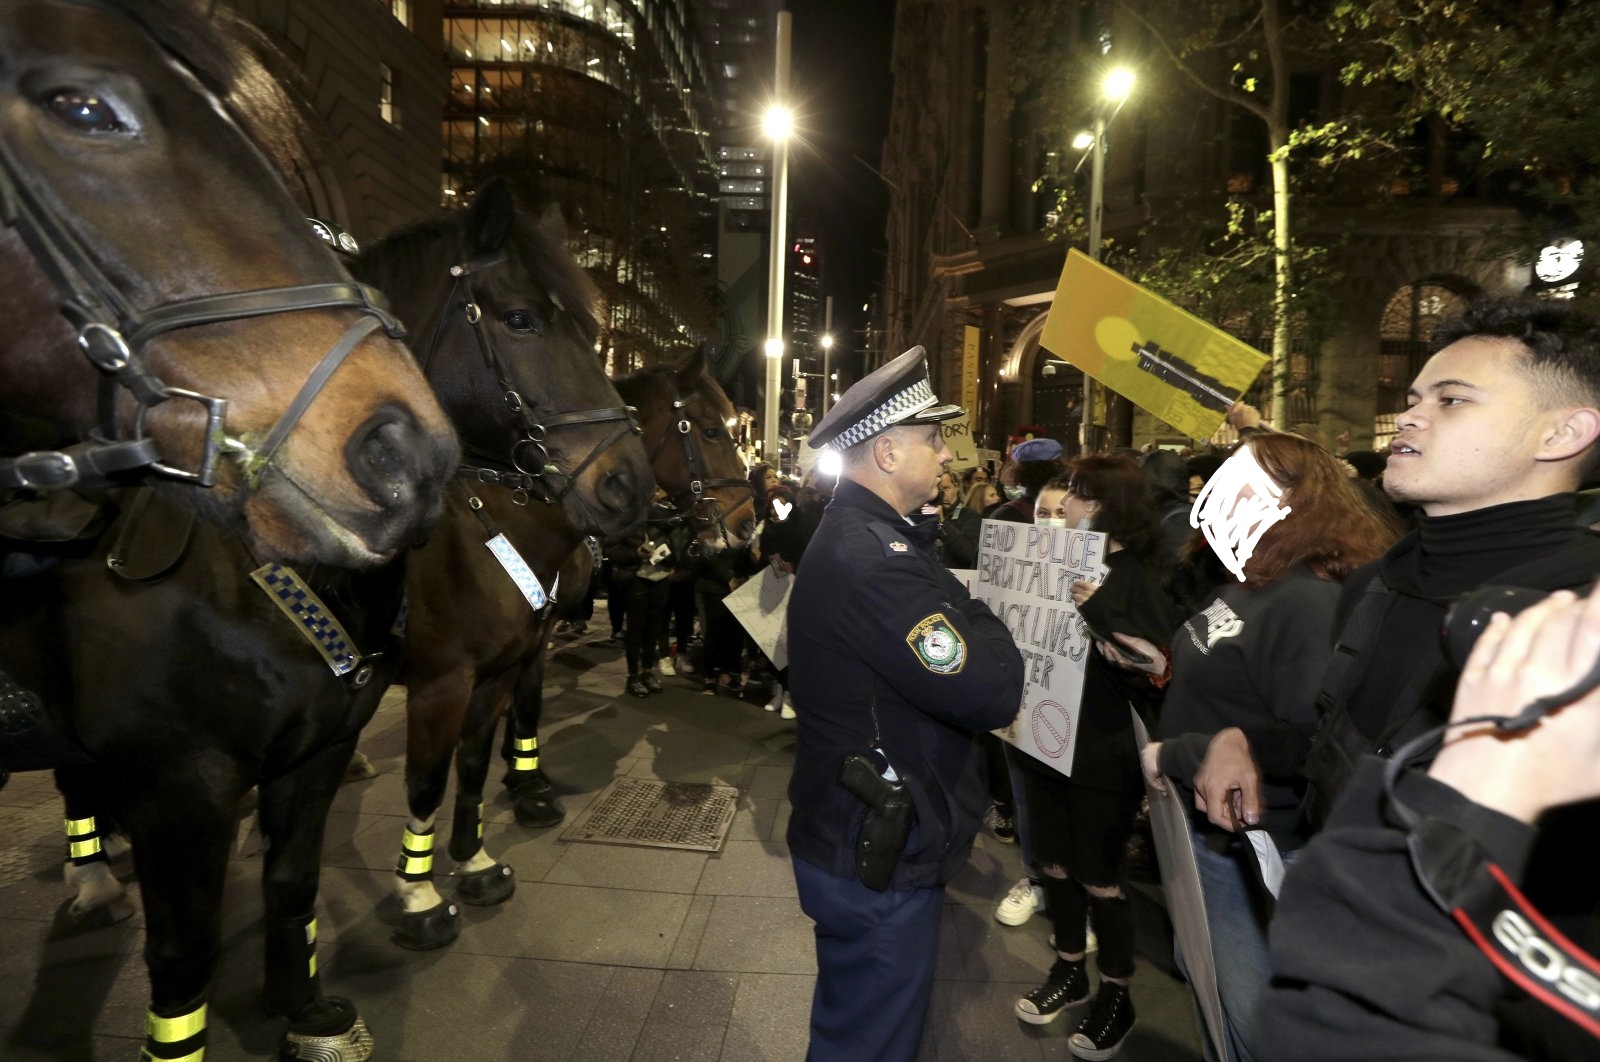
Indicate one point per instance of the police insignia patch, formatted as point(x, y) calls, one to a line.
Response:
point(938, 645)
point(899, 547)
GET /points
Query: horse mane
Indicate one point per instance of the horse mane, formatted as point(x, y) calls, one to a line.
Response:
point(236, 61)
point(411, 255)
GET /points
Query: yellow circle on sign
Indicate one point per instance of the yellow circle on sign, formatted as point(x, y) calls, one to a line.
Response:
point(1116, 337)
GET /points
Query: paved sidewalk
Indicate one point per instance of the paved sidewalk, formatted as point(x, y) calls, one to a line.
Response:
point(604, 953)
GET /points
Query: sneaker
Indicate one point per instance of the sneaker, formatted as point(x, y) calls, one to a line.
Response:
point(684, 665)
point(637, 686)
point(777, 697)
point(1066, 986)
point(1023, 902)
point(1102, 1031)
point(651, 682)
point(616, 636)
point(667, 666)
point(788, 708)
point(1002, 825)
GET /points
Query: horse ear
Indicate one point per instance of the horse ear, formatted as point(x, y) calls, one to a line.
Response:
point(553, 225)
point(491, 216)
point(689, 372)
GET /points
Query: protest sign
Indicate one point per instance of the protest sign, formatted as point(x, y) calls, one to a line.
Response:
point(761, 605)
point(1159, 356)
point(957, 434)
point(1025, 576)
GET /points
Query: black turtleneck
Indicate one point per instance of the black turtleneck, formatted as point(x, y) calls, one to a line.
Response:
point(1533, 544)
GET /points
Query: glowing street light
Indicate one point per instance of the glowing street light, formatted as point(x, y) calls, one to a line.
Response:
point(778, 123)
point(1115, 89)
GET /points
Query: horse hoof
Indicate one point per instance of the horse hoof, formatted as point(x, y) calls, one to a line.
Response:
point(534, 781)
point(107, 914)
point(426, 930)
point(353, 1044)
point(487, 887)
point(537, 811)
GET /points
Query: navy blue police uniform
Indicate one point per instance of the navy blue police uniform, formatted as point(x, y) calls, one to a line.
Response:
point(889, 657)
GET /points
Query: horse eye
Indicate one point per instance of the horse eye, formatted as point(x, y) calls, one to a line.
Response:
point(713, 432)
point(524, 322)
point(89, 113)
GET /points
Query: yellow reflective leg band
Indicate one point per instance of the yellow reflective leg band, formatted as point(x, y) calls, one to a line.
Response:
point(83, 840)
point(416, 854)
point(311, 945)
point(167, 1032)
point(480, 822)
point(528, 750)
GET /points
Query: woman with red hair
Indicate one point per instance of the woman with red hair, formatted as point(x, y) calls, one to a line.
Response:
point(1287, 521)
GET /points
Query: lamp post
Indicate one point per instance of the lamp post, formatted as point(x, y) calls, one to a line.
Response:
point(1117, 85)
point(827, 351)
point(778, 123)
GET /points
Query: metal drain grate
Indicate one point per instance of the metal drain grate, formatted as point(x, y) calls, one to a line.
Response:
point(641, 811)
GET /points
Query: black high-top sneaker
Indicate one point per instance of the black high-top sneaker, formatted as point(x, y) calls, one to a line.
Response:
point(1067, 986)
point(1101, 1032)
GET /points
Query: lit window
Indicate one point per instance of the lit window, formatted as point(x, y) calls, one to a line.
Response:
point(401, 9)
point(388, 86)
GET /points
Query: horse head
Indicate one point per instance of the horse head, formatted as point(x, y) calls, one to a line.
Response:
point(688, 433)
point(510, 351)
point(227, 350)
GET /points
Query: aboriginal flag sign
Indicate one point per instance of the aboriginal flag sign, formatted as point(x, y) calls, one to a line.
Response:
point(1161, 358)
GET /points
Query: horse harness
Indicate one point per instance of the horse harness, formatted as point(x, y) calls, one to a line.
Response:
point(694, 496)
point(532, 472)
point(111, 332)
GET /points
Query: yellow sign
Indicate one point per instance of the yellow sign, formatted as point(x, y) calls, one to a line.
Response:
point(1162, 358)
point(970, 371)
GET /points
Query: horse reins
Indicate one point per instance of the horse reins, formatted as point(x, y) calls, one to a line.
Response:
point(111, 332)
point(535, 472)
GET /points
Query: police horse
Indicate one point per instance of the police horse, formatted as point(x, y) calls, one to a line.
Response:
point(481, 589)
point(687, 423)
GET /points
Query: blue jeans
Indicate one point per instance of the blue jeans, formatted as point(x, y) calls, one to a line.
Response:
point(1238, 945)
point(875, 957)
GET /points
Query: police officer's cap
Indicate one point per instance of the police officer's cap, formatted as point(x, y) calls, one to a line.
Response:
point(897, 393)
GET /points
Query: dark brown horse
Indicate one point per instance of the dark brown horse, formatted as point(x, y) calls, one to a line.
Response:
point(476, 615)
point(687, 422)
point(168, 308)
point(185, 683)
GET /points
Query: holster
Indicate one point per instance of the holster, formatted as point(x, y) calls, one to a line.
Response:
point(885, 826)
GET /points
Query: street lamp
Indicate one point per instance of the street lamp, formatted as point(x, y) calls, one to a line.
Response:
point(827, 388)
point(1114, 90)
point(778, 124)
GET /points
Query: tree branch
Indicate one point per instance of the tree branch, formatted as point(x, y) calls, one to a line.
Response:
point(1238, 99)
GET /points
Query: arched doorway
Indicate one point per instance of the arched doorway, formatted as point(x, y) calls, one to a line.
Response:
point(1404, 333)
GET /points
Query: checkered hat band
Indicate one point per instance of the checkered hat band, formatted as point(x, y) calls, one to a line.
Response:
point(917, 397)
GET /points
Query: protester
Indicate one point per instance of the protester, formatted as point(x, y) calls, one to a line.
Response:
point(962, 529)
point(1370, 964)
point(894, 667)
point(1500, 431)
point(1033, 463)
point(1251, 657)
point(1081, 822)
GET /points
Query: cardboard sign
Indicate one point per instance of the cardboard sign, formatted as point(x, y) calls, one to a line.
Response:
point(957, 434)
point(1025, 575)
point(1162, 358)
point(761, 605)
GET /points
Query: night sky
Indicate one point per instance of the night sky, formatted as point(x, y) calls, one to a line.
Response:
point(841, 84)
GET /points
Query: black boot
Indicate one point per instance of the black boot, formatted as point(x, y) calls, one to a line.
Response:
point(637, 687)
point(1101, 1032)
point(1066, 986)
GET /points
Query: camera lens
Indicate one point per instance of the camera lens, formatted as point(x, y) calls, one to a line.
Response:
point(1470, 613)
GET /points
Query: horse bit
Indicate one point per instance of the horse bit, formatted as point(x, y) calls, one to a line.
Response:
point(536, 473)
point(111, 332)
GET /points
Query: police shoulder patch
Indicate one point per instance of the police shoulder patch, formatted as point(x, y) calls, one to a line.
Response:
point(938, 645)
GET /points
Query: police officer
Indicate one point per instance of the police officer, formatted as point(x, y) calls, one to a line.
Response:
point(893, 664)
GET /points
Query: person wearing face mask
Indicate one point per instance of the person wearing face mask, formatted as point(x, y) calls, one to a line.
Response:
point(1080, 824)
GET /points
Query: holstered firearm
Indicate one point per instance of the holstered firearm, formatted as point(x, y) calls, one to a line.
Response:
point(886, 824)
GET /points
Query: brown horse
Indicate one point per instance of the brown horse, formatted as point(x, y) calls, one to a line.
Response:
point(227, 351)
point(476, 615)
point(687, 420)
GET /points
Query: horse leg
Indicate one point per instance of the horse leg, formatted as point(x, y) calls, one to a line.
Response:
point(533, 798)
point(180, 816)
point(293, 815)
point(100, 898)
point(482, 880)
point(435, 707)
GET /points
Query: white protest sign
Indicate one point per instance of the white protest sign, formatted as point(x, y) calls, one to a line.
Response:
point(1025, 576)
point(761, 604)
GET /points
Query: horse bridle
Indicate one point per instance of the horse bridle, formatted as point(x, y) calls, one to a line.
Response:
point(533, 473)
point(694, 496)
point(111, 333)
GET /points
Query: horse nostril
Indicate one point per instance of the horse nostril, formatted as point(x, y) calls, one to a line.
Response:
point(385, 457)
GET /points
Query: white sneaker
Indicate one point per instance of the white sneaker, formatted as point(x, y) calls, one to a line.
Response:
point(1023, 902)
point(685, 665)
point(777, 699)
point(667, 666)
point(788, 707)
